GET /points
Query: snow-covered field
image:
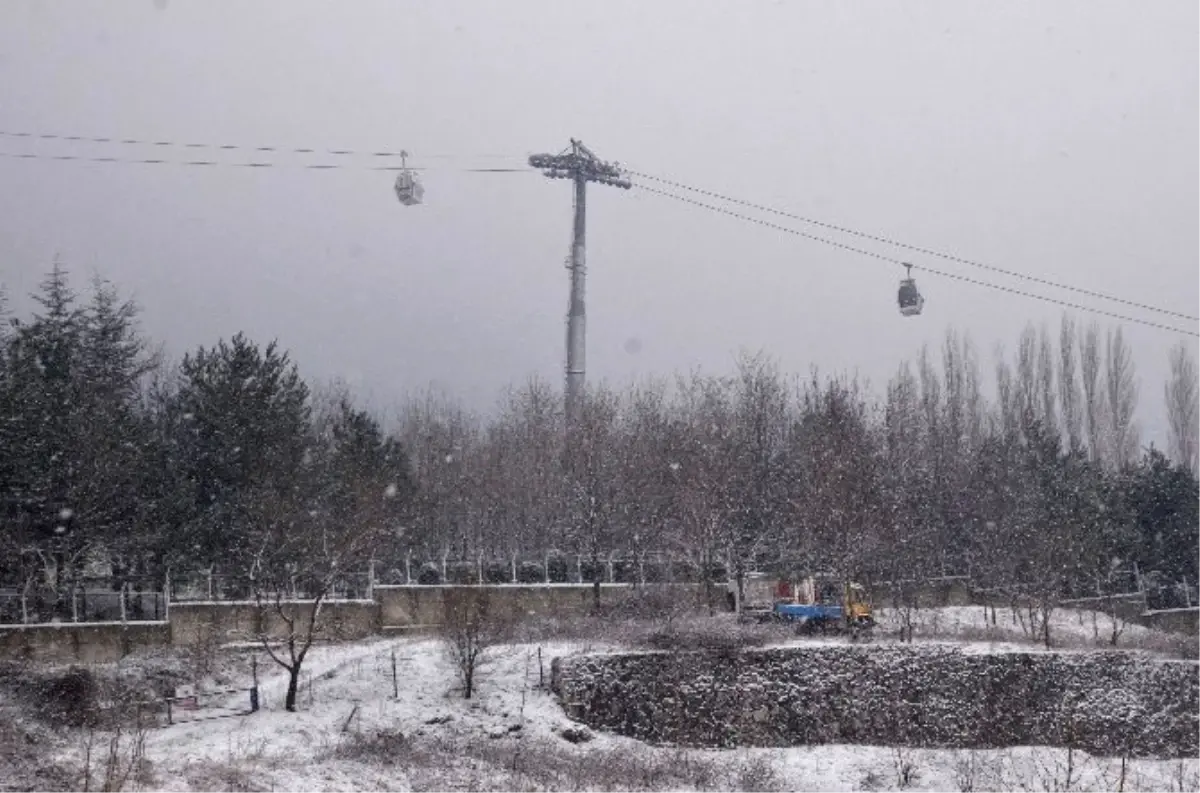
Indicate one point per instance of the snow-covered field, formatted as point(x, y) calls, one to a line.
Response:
point(1069, 629)
point(351, 733)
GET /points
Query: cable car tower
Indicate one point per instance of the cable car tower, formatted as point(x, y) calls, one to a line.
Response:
point(581, 166)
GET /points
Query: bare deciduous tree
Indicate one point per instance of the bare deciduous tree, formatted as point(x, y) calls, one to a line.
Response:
point(906, 543)
point(1068, 386)
point(761, 403)
point(442, 438)
point(470, 628)
point(592, 473)
point(1027, 375)
point(1048, 409)
point(297, 545)
point(1008, 410)
point(1094, 403)
point(1181, 397)
point(702, 504)
point(1122, 391)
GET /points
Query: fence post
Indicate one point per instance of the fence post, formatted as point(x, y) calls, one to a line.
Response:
point(408, 568)
point(395, 678)
point(167, 596)
point(123, 586)
point(371, 580)
point(75, 602)
point(24, 608)
point(254, 684)
point(209, 575)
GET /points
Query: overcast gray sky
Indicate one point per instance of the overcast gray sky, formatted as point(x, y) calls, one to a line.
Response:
point(1053, 138)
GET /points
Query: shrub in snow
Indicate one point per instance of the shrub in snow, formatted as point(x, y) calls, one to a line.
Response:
point(758, 774)
point(576, 734)
point(429, 574)
point(70, 698)
point(558, 570)
point(28, 762)
point(531, 573)
point(724, 638)
point(382, 746)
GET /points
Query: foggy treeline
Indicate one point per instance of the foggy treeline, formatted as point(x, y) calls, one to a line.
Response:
point(228, 460)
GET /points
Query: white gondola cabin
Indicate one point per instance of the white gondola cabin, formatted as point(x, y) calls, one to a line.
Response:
point(408, 189)
point(909, 297)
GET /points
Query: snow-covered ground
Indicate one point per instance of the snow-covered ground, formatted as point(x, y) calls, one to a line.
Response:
point(510, 736)
point(1069, 629)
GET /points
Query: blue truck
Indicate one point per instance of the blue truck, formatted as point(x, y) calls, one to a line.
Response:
point(812, 603)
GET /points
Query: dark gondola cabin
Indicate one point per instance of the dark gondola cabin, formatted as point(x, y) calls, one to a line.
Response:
point(408, 189)
point(909, 297)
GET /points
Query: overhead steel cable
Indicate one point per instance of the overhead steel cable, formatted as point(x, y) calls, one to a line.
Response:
point(252, 164)
point(894, 260)
point(237, 147)
point(641, 175)
point(915, 248)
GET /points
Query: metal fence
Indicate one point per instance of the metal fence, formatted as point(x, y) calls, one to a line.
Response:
point(218, 587)
point(87, 600)
point(651, 568)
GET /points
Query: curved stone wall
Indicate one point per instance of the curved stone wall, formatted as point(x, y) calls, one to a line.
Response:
point(936, 696)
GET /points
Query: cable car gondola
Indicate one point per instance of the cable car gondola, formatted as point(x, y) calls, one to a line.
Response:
point(909, 297)
point(408, 188)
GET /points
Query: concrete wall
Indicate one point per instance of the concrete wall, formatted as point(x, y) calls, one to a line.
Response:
point(236, 621)
point(412, 606)
point(1128, 606)
point(404, 607)
point(933, 593)
point(96, 642)
point(1186, 621)
point(922, 696)
point(393, 608)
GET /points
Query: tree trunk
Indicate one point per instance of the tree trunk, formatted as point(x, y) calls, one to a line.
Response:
point(707, 577)
point(289, 703)
point(596, 579)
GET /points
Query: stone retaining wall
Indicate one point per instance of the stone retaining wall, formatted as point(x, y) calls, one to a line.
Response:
point(1110, 703)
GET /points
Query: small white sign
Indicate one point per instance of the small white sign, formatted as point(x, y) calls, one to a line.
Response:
point(185, 697)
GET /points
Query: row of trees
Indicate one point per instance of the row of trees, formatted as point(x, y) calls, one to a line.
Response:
point(228, 460)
